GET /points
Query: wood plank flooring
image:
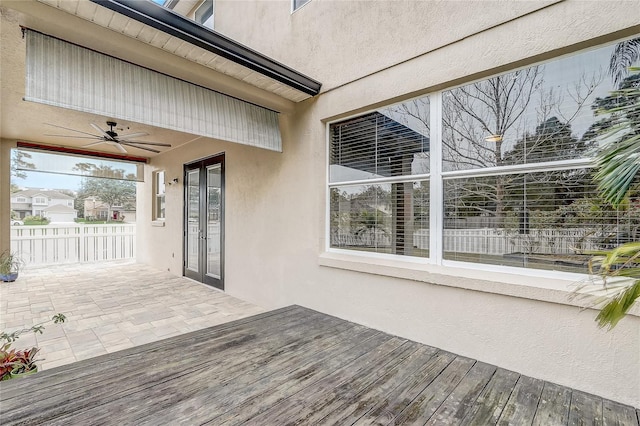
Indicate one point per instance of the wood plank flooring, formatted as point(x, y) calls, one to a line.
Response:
point(295, 366)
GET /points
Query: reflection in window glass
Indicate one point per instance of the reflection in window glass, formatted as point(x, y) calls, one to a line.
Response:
point(214, 204)
point(204, 14)
point(544, 220)
point(193, 219)
point(159, 204)
point(299, 3)
point(542, 113)
point(384, 218)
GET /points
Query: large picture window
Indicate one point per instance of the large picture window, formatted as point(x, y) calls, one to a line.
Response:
point(507, 170)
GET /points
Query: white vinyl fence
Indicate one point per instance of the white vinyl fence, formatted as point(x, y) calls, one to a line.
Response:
point(73, 243)
point(491, 241)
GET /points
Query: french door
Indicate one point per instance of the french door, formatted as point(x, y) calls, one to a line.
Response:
point(204, 221)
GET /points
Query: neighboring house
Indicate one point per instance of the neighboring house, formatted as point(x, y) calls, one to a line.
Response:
point(470, 122)
point(94, 208)
point(35, 202)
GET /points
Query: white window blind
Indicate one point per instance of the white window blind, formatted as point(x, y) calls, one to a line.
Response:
point(69, 76)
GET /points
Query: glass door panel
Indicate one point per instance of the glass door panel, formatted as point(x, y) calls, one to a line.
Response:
point(193, 221)
point(214, 192)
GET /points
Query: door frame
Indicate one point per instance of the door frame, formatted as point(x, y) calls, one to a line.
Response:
point(201, 165)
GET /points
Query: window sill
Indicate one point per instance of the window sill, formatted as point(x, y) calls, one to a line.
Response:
point(468, 277)
point(157, 222)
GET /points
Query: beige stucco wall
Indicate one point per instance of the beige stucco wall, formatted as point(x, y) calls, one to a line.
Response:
point(338, 41)
point(5, 192)
point(275, 203)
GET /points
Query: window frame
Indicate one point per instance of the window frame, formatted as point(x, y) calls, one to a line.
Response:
point(294, 8)
point(210, 18)
point(437, 177)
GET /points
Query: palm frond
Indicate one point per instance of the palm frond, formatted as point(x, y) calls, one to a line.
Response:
point(612, 262)
point(624, 55)
point(619, 270)
point(616, 308)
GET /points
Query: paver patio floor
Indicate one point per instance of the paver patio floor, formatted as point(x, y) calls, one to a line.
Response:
point(109, 306)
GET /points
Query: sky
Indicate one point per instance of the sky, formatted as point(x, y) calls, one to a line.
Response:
point(48, 181)
point(56, 170)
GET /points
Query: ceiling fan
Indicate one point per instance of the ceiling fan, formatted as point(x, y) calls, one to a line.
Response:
point(110, 137)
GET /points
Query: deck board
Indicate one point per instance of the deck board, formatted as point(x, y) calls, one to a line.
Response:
point(295, 366)
point(616, 414)
point(523, 402)
point(553, 406)
point(585, 409)
point(487, 409)
point(420, 410)
point(455, 407)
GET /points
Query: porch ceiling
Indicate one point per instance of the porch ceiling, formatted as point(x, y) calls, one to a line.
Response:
point(90, 25)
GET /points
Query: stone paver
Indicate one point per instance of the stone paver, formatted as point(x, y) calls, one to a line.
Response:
point(109, 306)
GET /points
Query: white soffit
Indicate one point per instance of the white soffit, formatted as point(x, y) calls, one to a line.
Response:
point(69, 76)
point(104, 17)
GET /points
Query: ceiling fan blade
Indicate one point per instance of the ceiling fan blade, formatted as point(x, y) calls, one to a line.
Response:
point(104, 132)
point(146, 143)
point(117, 145)
point(135, 135)
point(75, 137)
point(139, 147)
point(92, 144)
point(73, 130)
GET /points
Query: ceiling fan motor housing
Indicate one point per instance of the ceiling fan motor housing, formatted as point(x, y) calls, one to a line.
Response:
point(110, 132)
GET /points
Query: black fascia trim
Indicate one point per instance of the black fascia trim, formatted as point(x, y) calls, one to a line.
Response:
point(169, 22)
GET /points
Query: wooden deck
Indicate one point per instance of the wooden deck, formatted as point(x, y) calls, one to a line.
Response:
point(295, 366)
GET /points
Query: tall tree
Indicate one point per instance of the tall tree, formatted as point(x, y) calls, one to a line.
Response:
point(109, 190)
point(552, 141)
point(19, 162)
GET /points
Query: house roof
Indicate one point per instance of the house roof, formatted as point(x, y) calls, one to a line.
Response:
point(176, 25)
point(163, 28)
point(46, 192)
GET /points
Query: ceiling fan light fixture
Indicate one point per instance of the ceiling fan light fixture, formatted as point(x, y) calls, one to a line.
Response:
point(493, 138)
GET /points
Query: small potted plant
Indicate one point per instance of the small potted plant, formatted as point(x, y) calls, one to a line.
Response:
point(21, 362)
point(10, 265)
